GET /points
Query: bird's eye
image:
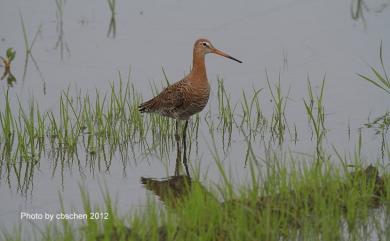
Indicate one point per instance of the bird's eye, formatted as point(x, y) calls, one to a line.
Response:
point(205, 44)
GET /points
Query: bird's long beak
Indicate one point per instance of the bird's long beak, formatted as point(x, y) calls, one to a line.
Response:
point(219, 52)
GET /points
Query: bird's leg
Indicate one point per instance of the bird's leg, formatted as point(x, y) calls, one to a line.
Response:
point(178, 159)
point(185, 148)
point(178, 147)
point(184, 136)
point(177, 137)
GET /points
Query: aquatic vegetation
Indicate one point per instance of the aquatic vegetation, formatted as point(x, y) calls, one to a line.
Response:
point(28, 49)
point(278, 120)
point(281, 158)
point(381, 80)
point(105, 124)
point(284, 195)
point(298, 202)
point(316, 113)
point(61, 43)
point(360, 7)
point(112, 26)
point(9, 57)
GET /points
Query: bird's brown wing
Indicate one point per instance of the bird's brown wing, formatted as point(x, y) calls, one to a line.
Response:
point(167, 101)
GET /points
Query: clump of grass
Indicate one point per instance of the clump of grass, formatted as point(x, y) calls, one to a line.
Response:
point(225, 114)
point(7, 126)
point(381, 125)
point(100, 126)
point(253, 117)
point(381, 80)
point(278, 121)
point(225, 109)
point(89, 121)
point(315, 111)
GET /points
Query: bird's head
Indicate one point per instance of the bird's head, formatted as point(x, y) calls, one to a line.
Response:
point(204, 46)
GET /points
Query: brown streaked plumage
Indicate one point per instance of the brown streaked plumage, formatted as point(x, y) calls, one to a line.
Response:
point(189, 95)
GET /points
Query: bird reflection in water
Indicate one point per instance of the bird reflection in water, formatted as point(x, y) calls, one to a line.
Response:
point(173, 188)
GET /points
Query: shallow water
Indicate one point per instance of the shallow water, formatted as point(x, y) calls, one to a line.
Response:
point(293, 39)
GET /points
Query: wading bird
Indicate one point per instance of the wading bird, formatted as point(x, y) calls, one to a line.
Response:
point(188, 96)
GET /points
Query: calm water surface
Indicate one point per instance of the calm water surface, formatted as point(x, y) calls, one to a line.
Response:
point(295, 39)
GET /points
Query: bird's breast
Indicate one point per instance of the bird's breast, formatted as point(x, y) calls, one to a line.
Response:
point(199, 96)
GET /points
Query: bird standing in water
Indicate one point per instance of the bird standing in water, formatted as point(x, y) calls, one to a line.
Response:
point(188, 96)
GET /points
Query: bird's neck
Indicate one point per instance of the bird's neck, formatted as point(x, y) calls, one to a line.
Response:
point(199, 67)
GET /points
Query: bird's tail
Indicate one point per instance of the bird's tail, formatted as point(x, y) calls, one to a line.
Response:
point(146, 106)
